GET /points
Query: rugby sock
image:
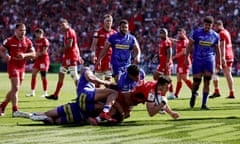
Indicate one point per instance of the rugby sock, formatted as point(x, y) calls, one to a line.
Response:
point(231, 93)
point(171, 87)
point(3, 105)
point(216, 91)
point(14, 108)
point(189, 83)
point(59, 86)
point(205, 96)
point(33, 83)
point(45, 84)
point(106, 108)
point(178, 88)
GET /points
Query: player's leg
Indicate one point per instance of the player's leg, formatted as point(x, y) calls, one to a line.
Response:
point(33, 82)
point(215, 85)
point(228, 74)
point(44, 83)
point(179, 85)
point(61, 76)
point(74, 74)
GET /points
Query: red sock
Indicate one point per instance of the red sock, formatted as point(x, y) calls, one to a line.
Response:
point(3, 104)
point(59, 86)
point(232, 93)
point(171, 88)
point(178, 88)
point(217, 91)
point(33, 83)
point(189, 83)
point(45, 84)
point(14, 108)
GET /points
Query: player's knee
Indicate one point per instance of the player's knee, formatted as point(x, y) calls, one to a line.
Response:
point(197, 80)
point(43, 74)
point(73, 72)
point(207, 78)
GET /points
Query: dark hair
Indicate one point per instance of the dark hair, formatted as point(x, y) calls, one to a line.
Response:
point(162, 80)
point(133, 70)
point(124, 21)
point(219, 22)
point(209, 19)
point(19, 25)
point(39, 30)
point(164, 30)
point(182, 30)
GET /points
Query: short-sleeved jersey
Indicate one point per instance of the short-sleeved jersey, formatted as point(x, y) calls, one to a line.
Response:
point(181, 45)
point(147, 88)
point(121, 48)
point(15, 47)
point(125, 84)
point(224, 35)
point(39, 46)
point(204, 44)
point(102, 35)
point(82, 83)
point(163, 46)
point(73, 51)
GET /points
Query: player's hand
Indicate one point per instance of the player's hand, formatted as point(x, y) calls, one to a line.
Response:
point(224, 63)
point(93, 59)
point(175, 115)
point(20, 56)
point(136, 60)
point(186, 63)
point(98, 64)
point(7, 58)
point(80, 60)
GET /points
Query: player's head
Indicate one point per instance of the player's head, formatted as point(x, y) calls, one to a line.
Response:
point(219, 25)
point(123, 26)
point(134, 72)
point(20, 30)
point(63, 23)
point(181, 33)
point(162, 84)
point(108, 20)
point(163, 33)
point(39, 33)
point(208, 23)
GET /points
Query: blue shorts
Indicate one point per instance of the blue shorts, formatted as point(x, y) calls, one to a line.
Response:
point(70, 113)
point(116, 69)
point(86, 99)
point(201, 66)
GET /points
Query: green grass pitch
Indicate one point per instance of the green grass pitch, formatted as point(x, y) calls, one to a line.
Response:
point(221, 124)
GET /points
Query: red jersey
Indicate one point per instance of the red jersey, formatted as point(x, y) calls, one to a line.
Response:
point(39, 45)
point(163, 46)
point(147, 88)
point(102, 36)
point(16, 47)
point(73, 51)
point(225, 36)
point(181, 45)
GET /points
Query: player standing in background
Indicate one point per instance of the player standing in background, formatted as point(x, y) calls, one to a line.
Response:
point(99, 40)
point(227, 58)
point(15, 50)
point(206, 46)
point(165, 58)
point(41, 62)
point(123, 45)
point(71, 57)
point(182, 70)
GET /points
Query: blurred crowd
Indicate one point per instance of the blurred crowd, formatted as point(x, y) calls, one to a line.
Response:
point(145, 17)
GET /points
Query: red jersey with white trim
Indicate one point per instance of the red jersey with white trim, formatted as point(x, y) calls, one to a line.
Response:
point(102, 36)
point(73, 51)
point(225, 35)
point(163, 46)
point(181, 46)
point(147, 88)
point(16, 47)
point(39, 46)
